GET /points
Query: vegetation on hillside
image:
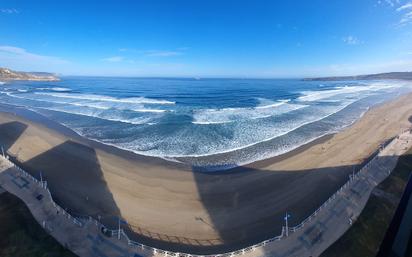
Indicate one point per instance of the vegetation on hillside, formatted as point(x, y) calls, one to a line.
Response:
point(7, 74)
point(365, 236)
point(21, 235)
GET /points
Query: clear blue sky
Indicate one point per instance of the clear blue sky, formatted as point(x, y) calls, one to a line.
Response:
point(207, 38)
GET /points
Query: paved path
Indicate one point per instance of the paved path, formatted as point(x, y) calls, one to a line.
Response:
point(85, 239)
point(2, 190)
point(337, 217)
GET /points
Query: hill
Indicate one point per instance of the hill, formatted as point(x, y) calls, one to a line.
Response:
point(8, 74)
point(388, 75)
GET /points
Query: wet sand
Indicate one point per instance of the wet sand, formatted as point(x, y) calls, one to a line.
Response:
point(170, 206)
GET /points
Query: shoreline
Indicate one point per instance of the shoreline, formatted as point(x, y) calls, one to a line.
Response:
point(111, 148)
point(25, 114)
point(94, 180)
point(325, 214)
point(229, 158)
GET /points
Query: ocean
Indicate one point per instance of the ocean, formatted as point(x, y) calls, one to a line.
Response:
point(210, 124)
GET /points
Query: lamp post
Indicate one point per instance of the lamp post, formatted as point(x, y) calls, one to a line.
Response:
point(118, 233)
point(287, 216)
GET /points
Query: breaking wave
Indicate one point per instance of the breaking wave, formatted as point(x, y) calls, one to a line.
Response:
point(133, 100)
point(110, 116)
point(206, 122)
point(227, 115)
point(310, 96)
point(57, 89)
point(88, 104)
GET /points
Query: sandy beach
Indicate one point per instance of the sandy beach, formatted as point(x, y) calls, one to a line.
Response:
point(169, 206)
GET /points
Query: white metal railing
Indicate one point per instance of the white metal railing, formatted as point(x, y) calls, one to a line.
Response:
point(137, 245)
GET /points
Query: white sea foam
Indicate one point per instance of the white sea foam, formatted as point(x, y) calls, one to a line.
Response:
point(22, 90)
point(108, 106)
point(100, 115)
point(197, 141)
point(91, 97)
point(118, 107)
point(91, 104)
point(2, 82)
point(131, 146)
point(57, 89)
point(270, 104)
point(310, 96)
point(149, 110)
point(227, 115)
point(246, 135)
point(6, 93)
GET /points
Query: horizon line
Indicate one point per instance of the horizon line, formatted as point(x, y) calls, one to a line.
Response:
point(196, 77)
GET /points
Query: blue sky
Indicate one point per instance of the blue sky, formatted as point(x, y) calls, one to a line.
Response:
point(207, 38)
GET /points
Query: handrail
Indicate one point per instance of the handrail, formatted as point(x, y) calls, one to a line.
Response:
point(134, 244)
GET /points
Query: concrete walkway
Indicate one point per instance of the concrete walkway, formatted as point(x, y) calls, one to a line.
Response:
point(81, 237)
point(2, 190)
point(324, 227)
point(337, 217)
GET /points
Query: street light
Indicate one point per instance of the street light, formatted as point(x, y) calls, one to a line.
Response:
point(287, 216)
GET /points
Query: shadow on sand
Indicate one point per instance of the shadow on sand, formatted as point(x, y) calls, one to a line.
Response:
point(83, 188)
point(10, 132)
point(72, 190)
point(241, 213)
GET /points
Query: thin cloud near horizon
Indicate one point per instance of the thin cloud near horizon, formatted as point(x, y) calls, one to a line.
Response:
point(351, 40)
point(148, 53)
point(113, 59)
point(18, 53)
point(20, 59)
point(9, 10)
point(404, 7)
point(156, 53)
point(159, 53)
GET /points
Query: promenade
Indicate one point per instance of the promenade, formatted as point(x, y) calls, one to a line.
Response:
point(85, 237)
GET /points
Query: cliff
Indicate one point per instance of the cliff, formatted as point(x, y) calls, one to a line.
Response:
point(388, 75)
point(7, 74)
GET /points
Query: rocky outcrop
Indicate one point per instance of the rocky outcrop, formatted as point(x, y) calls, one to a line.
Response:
point(7, 74)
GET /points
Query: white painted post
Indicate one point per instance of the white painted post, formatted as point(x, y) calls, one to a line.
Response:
point(118, 234)
point(286, 224)
point(353, 173)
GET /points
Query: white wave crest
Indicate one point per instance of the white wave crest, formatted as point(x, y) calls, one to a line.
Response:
point(57, 89)
point(270, 104)
point(310, 96)
point(118, 107)
point(2, 83)
point(244, 136)
point(101, 115)
point(90, 97)
point(227, 115)
point(95, 105)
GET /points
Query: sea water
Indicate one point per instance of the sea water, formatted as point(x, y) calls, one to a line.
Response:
point(211, 124)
